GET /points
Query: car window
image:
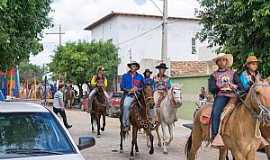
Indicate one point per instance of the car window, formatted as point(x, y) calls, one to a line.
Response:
point(28, 133)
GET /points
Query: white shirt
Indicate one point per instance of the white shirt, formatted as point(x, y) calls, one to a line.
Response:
point(58, 97)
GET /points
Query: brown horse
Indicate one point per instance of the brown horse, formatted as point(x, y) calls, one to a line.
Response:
point(139, 120)
point(98, 109)
point(241, 134)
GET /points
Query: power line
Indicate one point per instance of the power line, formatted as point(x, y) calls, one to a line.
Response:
point(140, 35)
point(155, 4)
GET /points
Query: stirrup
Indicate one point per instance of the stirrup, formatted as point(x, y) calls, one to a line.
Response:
point(217, 141)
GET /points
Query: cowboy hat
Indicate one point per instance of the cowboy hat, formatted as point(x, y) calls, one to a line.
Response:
point(229, 57)
point(133, 63)
point(162, 65)
point(251, 59)
point(147, 70)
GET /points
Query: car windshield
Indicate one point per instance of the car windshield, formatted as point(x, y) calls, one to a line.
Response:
point(32, 134)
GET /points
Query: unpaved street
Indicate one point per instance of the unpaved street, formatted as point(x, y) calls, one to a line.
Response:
point(107, 147)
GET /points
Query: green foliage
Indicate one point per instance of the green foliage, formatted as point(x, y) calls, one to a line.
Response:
point(241, 27)
point(79, 61)
point(21, 25)
point(30, 71)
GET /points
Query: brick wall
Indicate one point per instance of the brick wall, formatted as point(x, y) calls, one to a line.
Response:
point(191, 68)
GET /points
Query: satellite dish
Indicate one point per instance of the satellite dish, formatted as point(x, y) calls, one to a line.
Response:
point(140, 2)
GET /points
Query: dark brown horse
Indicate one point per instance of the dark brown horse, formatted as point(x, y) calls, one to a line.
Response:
point(139, 120)
point(98, 109)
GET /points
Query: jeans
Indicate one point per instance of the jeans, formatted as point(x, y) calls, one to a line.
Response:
point(219, 103)
point(62, 113)
point(126, 109)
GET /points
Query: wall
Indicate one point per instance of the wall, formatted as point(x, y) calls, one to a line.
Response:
point(130, 34)
point(191, 86)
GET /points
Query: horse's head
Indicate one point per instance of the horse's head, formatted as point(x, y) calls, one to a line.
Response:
point(149, 96)
point(260, 99)
point(176, 96)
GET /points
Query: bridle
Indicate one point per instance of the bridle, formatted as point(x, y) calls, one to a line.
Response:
point(264, 112)
point(172, 99)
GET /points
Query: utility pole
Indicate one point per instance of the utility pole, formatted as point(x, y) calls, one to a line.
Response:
point(59, 33)
point(164, 48)
point(130, 55)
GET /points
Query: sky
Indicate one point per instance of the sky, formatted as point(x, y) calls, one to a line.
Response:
point(75, 15)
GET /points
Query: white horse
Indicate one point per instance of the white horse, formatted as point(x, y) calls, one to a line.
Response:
point(167, 114)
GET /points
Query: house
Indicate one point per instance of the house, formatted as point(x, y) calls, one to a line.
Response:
point(138, 37)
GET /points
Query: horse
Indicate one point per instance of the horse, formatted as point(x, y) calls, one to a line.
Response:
point(69, 96)
point(167, 114)
point(99, 106)
point(242, 134)
point(139, 120)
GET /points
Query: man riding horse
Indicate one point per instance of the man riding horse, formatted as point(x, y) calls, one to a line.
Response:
point(98, 80)
point(131, 84)
point(221, 84)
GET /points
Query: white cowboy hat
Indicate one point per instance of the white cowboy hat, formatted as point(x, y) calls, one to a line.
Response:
point(229, 57)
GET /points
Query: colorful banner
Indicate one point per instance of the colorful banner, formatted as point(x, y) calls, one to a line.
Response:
point(10, 82)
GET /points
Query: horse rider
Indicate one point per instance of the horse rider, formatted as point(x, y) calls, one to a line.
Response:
point(221, 84)
point(203, 97)
point(251, 73)
point(162, 84)
point(58, 105)
point(98, 80)
point(131, 84)
point(147, 78)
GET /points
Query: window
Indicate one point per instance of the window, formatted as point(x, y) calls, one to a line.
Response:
point(194, 50)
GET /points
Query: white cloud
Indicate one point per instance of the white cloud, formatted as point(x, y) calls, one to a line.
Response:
point(74, 16)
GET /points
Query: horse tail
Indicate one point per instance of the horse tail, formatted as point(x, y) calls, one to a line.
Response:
point(188, 146)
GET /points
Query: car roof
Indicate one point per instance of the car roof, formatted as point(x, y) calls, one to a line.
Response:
point(14, 107)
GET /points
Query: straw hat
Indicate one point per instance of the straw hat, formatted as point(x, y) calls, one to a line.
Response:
point(251, 59)
point(229, 57)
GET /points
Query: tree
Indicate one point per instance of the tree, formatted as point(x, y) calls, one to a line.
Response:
point(79, 61)
point(21, 25)
point(241, 27)
point(30, 71)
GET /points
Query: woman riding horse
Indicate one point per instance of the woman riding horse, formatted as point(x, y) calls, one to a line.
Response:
point(98, 80)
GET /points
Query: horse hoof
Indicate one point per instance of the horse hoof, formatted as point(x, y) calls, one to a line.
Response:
point(102, 129)
point(151, 152)
point(98, 136)
point(121, 151)
point(165, 152)
point(131, 158)
point(159, 144)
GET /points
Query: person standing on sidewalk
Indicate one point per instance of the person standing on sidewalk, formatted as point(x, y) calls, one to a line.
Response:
point(58, 105)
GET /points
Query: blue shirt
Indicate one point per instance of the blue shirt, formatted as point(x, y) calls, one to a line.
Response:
point(128, 82)
point(247, 80)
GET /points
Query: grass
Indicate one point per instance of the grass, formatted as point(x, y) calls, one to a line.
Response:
point(186, 110)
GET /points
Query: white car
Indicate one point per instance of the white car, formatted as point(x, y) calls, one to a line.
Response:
point(32, 132)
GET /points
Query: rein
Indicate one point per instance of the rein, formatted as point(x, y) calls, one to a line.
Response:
point(263, 109)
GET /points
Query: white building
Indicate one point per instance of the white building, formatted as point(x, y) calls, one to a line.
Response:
point(139, 37)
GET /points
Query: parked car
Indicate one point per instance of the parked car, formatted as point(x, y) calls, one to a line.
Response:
point(32, 132)
point(115, 102)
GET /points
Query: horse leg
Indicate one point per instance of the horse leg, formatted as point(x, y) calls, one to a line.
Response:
point(104, 122)
point(223, 154)
point(98, 125)
point(151, 137)
point(92, 116)
point(136, 142)
point(170, 127)
point(158, 136)
point(267, 151)
point(133, 142)
point(194, 143)
point(121, 136)
point(165, 150)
